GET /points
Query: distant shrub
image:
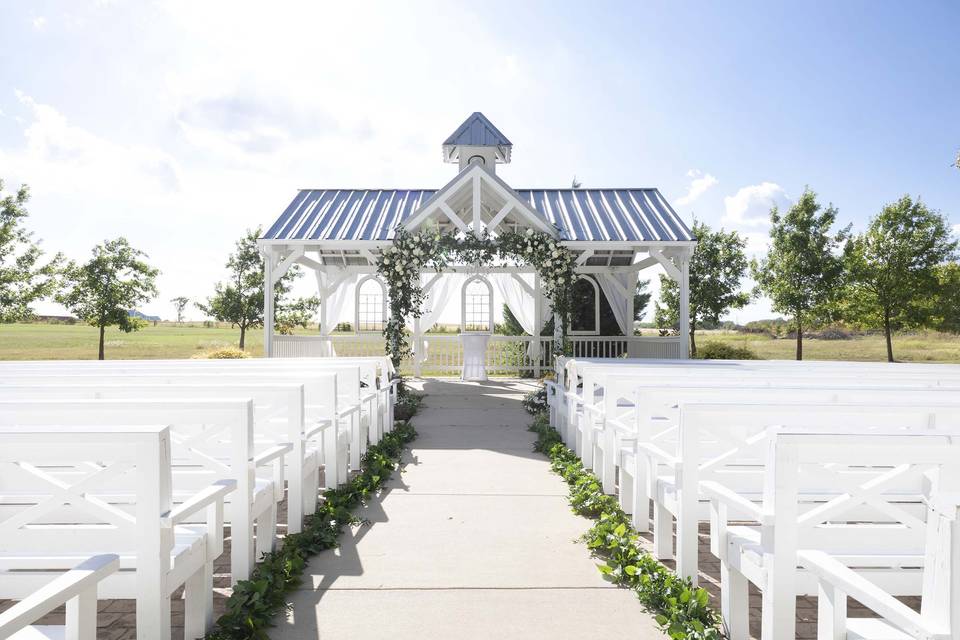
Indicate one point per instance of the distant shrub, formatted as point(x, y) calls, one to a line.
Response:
point(343, 327)
point(223, 353)
point(721, 351)
point(832, 333)
point(208, 324)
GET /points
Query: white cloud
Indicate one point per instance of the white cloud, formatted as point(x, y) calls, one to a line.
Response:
point(750, 206)
point(39, 23)
point(699, 184)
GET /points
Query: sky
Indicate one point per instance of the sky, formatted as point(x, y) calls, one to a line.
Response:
point(181, 124)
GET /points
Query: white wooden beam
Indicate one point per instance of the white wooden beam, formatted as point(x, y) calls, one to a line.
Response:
point(309, 262)
point(476, 204)
point(584, 256)
point(523, 284)
point(667, 264)
point(454, 218)
point(497, 219)
point(281, 269)
point(646, 262)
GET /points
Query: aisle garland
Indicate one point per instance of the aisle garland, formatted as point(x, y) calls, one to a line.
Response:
point(254, 603)
point(681, 610)
point(401, 264)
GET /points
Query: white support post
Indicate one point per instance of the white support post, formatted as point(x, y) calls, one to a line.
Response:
point(417, 347)
point(631, 311)
point(537, 314)
point(268, 310)
point(684, 306)
point(322, 281)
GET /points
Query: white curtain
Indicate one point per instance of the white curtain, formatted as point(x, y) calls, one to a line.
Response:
point(517, 299)
point(445, 290)
point(619, 303)
point(340, 304)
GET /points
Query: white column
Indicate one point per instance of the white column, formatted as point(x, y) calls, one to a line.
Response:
point(631, 311)
point(268, 310)
point(417, 347)
point(537, 312)
point(684, 305)
point(324, 293)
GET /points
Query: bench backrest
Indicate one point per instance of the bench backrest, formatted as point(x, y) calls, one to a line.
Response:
point(51, 475)
point(210, 439)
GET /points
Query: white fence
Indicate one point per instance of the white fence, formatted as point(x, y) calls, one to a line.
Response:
point(506, 355)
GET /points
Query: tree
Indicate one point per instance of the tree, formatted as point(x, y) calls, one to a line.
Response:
point(24, 279)
point(717, 266)
point(803, 271)
point(107, 289)
point(180, 303)
point(240, 300)
point(946, 304)
point(893, 266)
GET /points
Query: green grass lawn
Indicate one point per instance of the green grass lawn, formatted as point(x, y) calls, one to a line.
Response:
point(169, 340)
point(79, 342)
point(921, 347)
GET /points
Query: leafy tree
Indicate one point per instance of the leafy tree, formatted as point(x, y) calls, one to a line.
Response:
point(717, 266)
point(239, 301)
point(24, 279)
point(946, 303)
point(107, 289)
point(803, 271)
point(180, 303)
point(893, 266)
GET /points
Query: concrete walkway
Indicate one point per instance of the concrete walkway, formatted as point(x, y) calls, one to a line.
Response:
point(473, 540)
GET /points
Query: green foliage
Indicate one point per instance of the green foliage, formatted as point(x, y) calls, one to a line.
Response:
point(239, 301)
point(714, 350)
point(104, 290)
point(682, 610)
point(945, 305)
point(180, 303)
point(717, 266)
point(893, 267)
point(401, 264)
point(535, 402)
point(253, 604)
point(803, 272)
point(23, 278)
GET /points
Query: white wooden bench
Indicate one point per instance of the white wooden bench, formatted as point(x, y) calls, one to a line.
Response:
point(210, 439)
point(349, 409)
point(69, 493)
point(724, 443)
point(868, 519)
point(378, 394)
point(77, 589)
point(939, 616)
point(280, 415)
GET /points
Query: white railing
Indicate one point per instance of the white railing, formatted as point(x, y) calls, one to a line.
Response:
point(511, 355)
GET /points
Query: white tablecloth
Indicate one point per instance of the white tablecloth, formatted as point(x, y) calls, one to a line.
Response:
point(474, 356)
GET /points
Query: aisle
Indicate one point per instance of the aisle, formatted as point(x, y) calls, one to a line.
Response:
point(473, 540)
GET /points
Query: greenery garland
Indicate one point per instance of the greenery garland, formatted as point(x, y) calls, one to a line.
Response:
point(400, 266)
point(682, 610)
point(254, 603)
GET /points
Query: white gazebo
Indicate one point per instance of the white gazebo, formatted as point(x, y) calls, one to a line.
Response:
point(615, 233)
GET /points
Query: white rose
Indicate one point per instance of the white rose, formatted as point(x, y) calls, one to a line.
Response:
point(529, 250)
point(386, 261)
point(529, 232)
point(399, 268)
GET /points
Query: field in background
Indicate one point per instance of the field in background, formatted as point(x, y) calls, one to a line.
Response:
point(79, 342)
point(170, 340)
point(922, 347)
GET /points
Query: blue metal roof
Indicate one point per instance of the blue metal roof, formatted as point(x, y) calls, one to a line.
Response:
point(477, 131)
point(614, 215)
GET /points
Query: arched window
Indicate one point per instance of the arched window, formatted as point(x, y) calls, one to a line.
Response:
point(585, 307)
point(477, 306)
point(371, 305)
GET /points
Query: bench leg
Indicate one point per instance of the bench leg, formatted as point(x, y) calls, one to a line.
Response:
point(241, 539)
point(311, 487)
point(331, 457)
point(81, 622)
point(625, 492)
point(355, 445)
point(153, 613)
point(608, 462)
point(267, 531)
point(662, 532)
point(734, 602)
point(831, 612)
point(198, 603)
point(641, 496)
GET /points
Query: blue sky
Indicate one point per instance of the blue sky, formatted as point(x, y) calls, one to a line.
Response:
point(180, 124)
